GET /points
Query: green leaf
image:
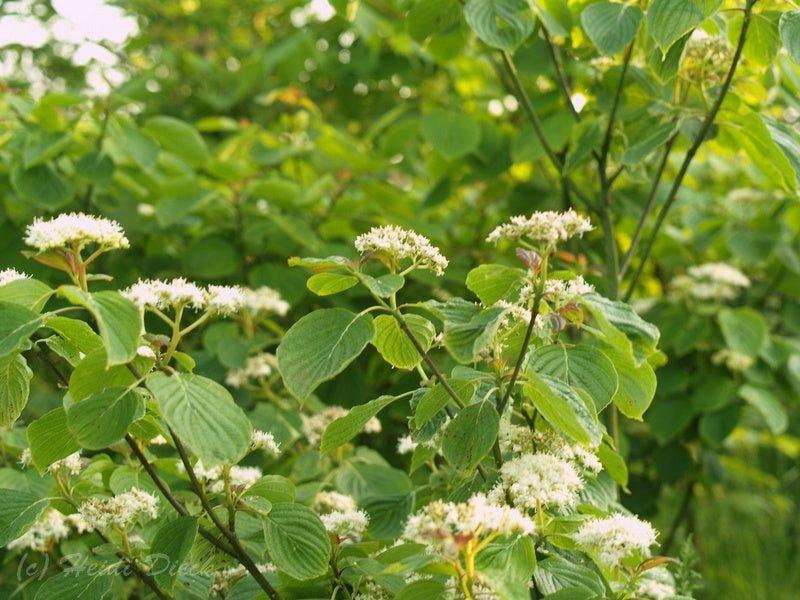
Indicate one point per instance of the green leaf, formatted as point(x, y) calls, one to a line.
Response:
point(491, 283)
point(580, 366)
point(563, 408)
point(614, 464)
point(610, 25)
point(132, 142)
point(319, 346)
point(613, 317)
point(789, 27)
point(367, 480)
point(436, 398)
point(383, 286)
point(470, 435)
point(763, 37)
point(104, 417)
point(41, 148)
point(18, 511)
point(170, 547)
point(91, 375)
point(768, 405)
point(669, 20)
point(88, 584)
point(423, 589)
point(465, 341)
point(502, 24)
point(653, 139)
point(637, 384)
point(556, 573)
point(744, 330)
point(117, 319)
point(345, 428)
point(388, 514)
point(453, 134)
point(297, 541)
point(274, 488)
point(204, 416)
point(78, 333)
point(327, 284)
point(17, 324)
point(211, 258)
point(15, 384)
point(178, 137)
point(395, 346)
point(428, 17)
point(507, 566)
point(50, 440)
point(42, 186)
point(586, 137)
point(30, 293)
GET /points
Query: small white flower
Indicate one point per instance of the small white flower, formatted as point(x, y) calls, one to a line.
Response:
point(615, 538)
point(50, 528)
point(735, 361)
point(72, 464)
point(258, 365)
point(326, 502)
point(540, 479)
point(75, 229)
point(9, 275)
point(405, 445)
point(400, 244)
point(25, 458)
point(120, 510)
point(263, 440)
point(561, 291)
point(154, 293)
point(159, 440)
point(265, 300)
point(350, 524)
point(656, 584)
point(711, 281)
point(240, 478)
point(442, 525)
point(224, 299)
point(145, 352)
point(547, 227)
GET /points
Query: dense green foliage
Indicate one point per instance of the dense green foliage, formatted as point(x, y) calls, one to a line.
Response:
point(245, 135)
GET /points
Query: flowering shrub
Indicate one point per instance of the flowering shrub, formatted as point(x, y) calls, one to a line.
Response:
point(145, 454)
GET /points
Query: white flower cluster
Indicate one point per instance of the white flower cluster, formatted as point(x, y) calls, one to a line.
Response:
point(240, 477)
point(533, 480)
point(440, 525)
point(711, 281)
point(9, 275)
point(71, 465)
point(263, 440)
point(314, 426)
point(264, 300)
point(224, 578)
point(615, 538)
point(405, 445)
point(157, 294)
point(372, 591)
point(399, 244)
point(550, 442)
point(120, 510)
point(656, 584)
point(546, 227)
point(75, 230)
point(561, 291)
point(49, 528)
point(341, 516)
point(258, 365)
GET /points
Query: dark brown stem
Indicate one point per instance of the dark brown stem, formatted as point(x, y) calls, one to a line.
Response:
point(176, 504)
point(690, 154)
point(680, 516)
point(241, 554)
point(144, 576)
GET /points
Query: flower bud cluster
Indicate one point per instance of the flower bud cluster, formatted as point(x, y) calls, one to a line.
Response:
point(157, 294)
point(539, 480)
point(264, 300)
point(341, 516)
point(711, 281)
point(400, 244)
point(75, 230)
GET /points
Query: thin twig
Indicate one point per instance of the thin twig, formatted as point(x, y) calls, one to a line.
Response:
point(687, 161)
point(147, 578)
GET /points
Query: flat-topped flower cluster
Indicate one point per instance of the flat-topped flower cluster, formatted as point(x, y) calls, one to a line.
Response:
point(341, 516)
point(120, 510)
point(545, 227)
point(75, 230)
point(400, 244)
point(9, 275)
